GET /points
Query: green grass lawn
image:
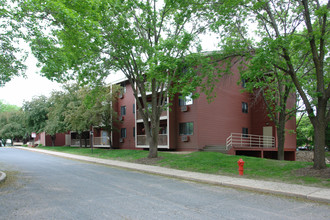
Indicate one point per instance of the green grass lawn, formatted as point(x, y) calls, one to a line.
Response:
point(212, 162)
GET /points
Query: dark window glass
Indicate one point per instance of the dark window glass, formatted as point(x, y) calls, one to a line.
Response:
point(133, 131)
point(123, 110)
point(186, 128)
point(123, 132)
point(187, 100)
point(123, 85)
point(245, 132)
point(243, 83)
point(133, 108)
point(244, 107)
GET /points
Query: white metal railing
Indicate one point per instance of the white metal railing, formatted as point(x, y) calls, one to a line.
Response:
point(97, 141)
point(142, 139)
point(102, 141)
point(76, 142)
point(249, 140)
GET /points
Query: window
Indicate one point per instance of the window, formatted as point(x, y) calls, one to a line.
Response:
point(133, 108)
point(244, 107)
point(187, 100)
point(123, 110)
point(163, 130)
point(245, 132)
point(244, 83)
point(186, 128)
point(123, 132)
point(133, 131)
point(123, 85)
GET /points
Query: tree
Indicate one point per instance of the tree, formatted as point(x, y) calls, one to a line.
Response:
point(297, 35)
point(100, 100)
point(7, 108)
point(11, 122)
point(56, 115)
point(12, 126)
point(275, 89)
point(305, 131)
point(76, 114)
point(36, 112)
point(11, 61)
point(150, 41)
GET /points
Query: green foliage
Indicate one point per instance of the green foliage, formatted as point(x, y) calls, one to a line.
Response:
point(36, 114)
point(79, 108)
point(7, 108)
point(11, 62)
point(12, 125)
point(305, 131)
point(291, 38)
point(58, 106)
point(152, 42)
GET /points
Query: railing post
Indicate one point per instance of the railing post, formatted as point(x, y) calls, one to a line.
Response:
point(241, 140)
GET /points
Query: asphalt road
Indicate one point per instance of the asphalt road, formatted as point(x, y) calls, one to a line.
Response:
point(41, 186)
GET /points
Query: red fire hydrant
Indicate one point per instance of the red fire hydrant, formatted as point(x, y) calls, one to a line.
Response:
point(240, 163)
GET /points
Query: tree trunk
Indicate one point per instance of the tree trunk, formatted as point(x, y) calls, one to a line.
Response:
point(153, 144)
point(109, 137)
point(53, 137)
point(154, 123)
point(152, 137)
point(319, 146)
point(110, 142)
point(80, 141)
point(281, 135)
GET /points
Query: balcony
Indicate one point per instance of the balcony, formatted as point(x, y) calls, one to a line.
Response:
point(76, 142)
point(147, 86)
point(98, 142)
point(163, 115)
point(101, 141)
point(249, 141)
point(143, 143)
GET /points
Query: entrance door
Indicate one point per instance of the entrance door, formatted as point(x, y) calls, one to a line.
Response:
point(105, 138)
point(267, 136)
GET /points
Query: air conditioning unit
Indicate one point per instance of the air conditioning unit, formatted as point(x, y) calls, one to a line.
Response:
point(121, 95)
point(184, 138)
point(184, 108)
point(121, 140)
point(121, 118)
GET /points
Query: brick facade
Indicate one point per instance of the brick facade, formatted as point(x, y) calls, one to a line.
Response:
point(212, 122)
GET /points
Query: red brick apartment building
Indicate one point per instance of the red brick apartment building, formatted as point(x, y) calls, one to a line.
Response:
point(234, 122)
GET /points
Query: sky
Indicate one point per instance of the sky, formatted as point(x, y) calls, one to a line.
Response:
point(21, 89)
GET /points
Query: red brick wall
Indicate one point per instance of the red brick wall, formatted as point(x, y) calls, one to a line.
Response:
point(213, 122)
point(59, 140)
point(182, 117)
point(129, 119)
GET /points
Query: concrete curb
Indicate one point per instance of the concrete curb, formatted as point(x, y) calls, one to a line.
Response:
point(291, 190)
point(3, 176)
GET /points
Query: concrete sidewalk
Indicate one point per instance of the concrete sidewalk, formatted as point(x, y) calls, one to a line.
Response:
point(292, 190)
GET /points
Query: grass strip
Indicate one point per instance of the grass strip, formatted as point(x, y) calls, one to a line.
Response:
point(213, 163)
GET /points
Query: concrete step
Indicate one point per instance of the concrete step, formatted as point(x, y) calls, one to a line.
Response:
point(215, 148)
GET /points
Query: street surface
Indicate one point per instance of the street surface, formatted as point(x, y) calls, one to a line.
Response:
point(41, 186)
